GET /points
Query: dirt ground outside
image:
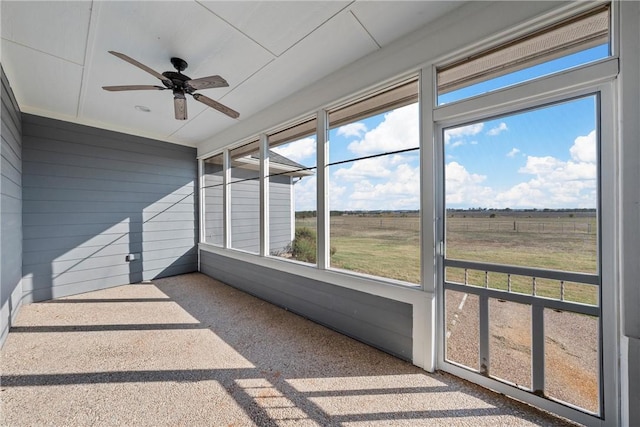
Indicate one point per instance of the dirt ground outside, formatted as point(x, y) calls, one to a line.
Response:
point(571, 346)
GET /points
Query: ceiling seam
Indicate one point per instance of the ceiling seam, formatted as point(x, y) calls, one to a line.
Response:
point(41, 51)
point(365, 29)
point(235, 28)
point(318, 26)
point(88, 54)
point(248, 77)
point(275, 56)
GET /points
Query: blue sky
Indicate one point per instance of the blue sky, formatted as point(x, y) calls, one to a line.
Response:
point(544, 158)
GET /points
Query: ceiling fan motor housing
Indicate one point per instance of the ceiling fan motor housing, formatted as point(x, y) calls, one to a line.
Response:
point(179, 64)
point(178, 79)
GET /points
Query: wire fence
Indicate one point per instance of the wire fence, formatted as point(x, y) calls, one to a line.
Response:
point(560, 226)
point(587, 226)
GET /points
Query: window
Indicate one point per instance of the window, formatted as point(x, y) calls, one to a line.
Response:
point(213, 200)
point(374, 185)
point(564, 45)
point(522, 284)
point(292, 192)
point(244, 190)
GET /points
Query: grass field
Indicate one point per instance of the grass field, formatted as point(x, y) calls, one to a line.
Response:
point(388, 245)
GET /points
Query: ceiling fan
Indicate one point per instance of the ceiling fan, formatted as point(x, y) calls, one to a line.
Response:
point(180, 85)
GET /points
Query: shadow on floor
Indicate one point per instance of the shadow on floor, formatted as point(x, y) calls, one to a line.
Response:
point(218, 356)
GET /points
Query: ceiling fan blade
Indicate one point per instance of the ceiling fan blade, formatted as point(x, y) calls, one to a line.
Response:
point(215, 104)
point(141, 66)
point(180, 106)
point(133, 87)
point(207, 82)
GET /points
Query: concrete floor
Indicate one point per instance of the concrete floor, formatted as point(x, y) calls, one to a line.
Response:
point(188, 350)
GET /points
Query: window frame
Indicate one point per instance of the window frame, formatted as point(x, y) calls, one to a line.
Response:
point(365, 106)
point(595, 78)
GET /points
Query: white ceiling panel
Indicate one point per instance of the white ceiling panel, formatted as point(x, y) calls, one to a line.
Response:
point(206, 42)
point(154, 32)
point(159, 122)
point(58, 28)
point(202, 126)
point(57, 89)
point(387, 21)
point(332, 46)
point(276, 25)
point(55, 54)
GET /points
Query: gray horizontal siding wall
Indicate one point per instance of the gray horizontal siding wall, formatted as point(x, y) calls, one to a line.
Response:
point(378, 321)
point(281, 216)
point(245, 210)
point(10, 208)
point(92, 196)
point(213, 206)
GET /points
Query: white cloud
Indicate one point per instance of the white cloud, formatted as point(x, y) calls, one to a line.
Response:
point(462, 131)
point(377, 167)
point(352, 129)
point(498, 129)
point(513, 152)
point(301, 151)
point(524, 194)
point(305, 194)
point(337, 196)
point(464, 188)
point(584, 148)
point(398, 130)
point(541, 165)
point(557, 183)
point(400, 191)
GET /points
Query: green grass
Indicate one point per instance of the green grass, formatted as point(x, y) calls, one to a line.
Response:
point(389, 246)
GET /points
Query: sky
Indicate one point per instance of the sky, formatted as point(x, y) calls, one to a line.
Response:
point(543, 158)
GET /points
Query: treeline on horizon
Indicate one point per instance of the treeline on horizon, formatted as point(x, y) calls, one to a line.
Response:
point(403, 213)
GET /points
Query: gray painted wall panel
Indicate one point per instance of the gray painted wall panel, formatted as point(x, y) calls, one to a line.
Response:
point(46, 231)
point(10, 208)
point(213, 194)
point(380, 322)
point(93, 196)
point(173, 166)
point(90, 136)
point(111, 196)
point(79, 253)
point(68, 159)
point(82, 172)
point(10, 171)
point(280, 213)
point(12, 153)
point(38, 218)
point(91, 184)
